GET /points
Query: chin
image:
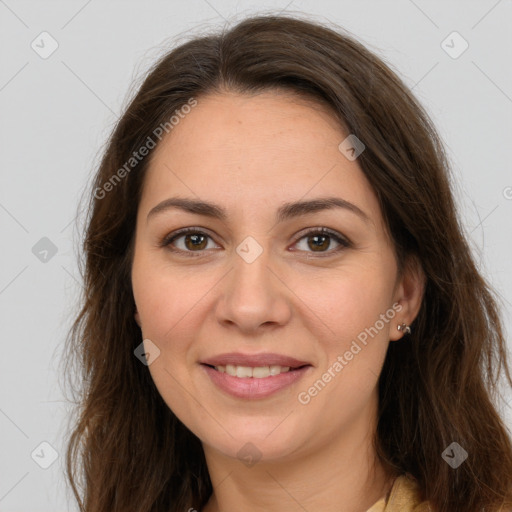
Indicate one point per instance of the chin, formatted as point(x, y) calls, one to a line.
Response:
point(254, 440)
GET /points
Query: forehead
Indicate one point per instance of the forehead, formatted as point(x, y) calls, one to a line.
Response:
point(229, 121)
point(248, 150)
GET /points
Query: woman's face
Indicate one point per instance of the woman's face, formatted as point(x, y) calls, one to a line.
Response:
point(254, 285)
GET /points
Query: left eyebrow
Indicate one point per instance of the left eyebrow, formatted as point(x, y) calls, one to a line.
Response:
point(295, 209)
point(285, 212)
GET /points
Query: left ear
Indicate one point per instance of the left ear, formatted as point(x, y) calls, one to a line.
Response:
point(409, 294)
point(137, 317)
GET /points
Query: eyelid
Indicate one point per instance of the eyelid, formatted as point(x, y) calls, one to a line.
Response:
point(166, 241)
point(342, 240)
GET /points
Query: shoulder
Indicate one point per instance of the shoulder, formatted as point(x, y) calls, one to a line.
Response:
point(406, 496)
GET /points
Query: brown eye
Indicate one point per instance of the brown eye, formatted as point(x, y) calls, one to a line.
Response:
point(193, 242)
point(319, 241)
point(187, 241)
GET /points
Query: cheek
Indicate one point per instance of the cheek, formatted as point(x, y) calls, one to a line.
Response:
point(355, 353)
point(348, 301)
point(169, 306)
point(172, 304)
point(166, 298)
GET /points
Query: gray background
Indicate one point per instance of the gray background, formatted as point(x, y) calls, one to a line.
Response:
point(57, 112)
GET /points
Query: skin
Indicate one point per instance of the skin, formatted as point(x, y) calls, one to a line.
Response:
point(250, 154)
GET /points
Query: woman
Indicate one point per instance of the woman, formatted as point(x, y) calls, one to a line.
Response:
point(281, 311)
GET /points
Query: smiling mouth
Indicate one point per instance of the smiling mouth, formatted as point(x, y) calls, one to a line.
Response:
point(256, 372)
point(257, 381)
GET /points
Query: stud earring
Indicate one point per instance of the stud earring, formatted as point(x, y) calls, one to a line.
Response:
point(405, 328)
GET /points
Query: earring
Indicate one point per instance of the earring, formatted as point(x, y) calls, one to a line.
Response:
point(405, 328)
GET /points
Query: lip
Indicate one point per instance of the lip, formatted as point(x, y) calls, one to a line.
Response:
point(254, 360)
point(253, 388)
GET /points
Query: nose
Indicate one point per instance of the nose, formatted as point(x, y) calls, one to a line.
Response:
point(253, 296)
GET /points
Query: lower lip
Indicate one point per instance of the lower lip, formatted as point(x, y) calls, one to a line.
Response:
point(251, 388)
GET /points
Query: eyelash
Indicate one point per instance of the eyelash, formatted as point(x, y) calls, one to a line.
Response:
point(169, 239)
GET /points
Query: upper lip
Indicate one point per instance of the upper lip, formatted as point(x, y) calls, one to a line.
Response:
point(254, 360)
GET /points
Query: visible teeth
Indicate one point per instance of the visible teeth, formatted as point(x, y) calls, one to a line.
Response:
point(258, 372)
point(231, 370)
point(243, 371)
point(275, 370)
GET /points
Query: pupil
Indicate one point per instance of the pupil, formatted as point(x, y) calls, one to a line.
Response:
point(196, 240)
point(321, 245)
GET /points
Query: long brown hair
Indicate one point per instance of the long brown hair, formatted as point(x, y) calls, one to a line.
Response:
point(127, 451)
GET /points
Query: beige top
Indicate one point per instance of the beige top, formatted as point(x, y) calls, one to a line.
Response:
point(404, 496)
